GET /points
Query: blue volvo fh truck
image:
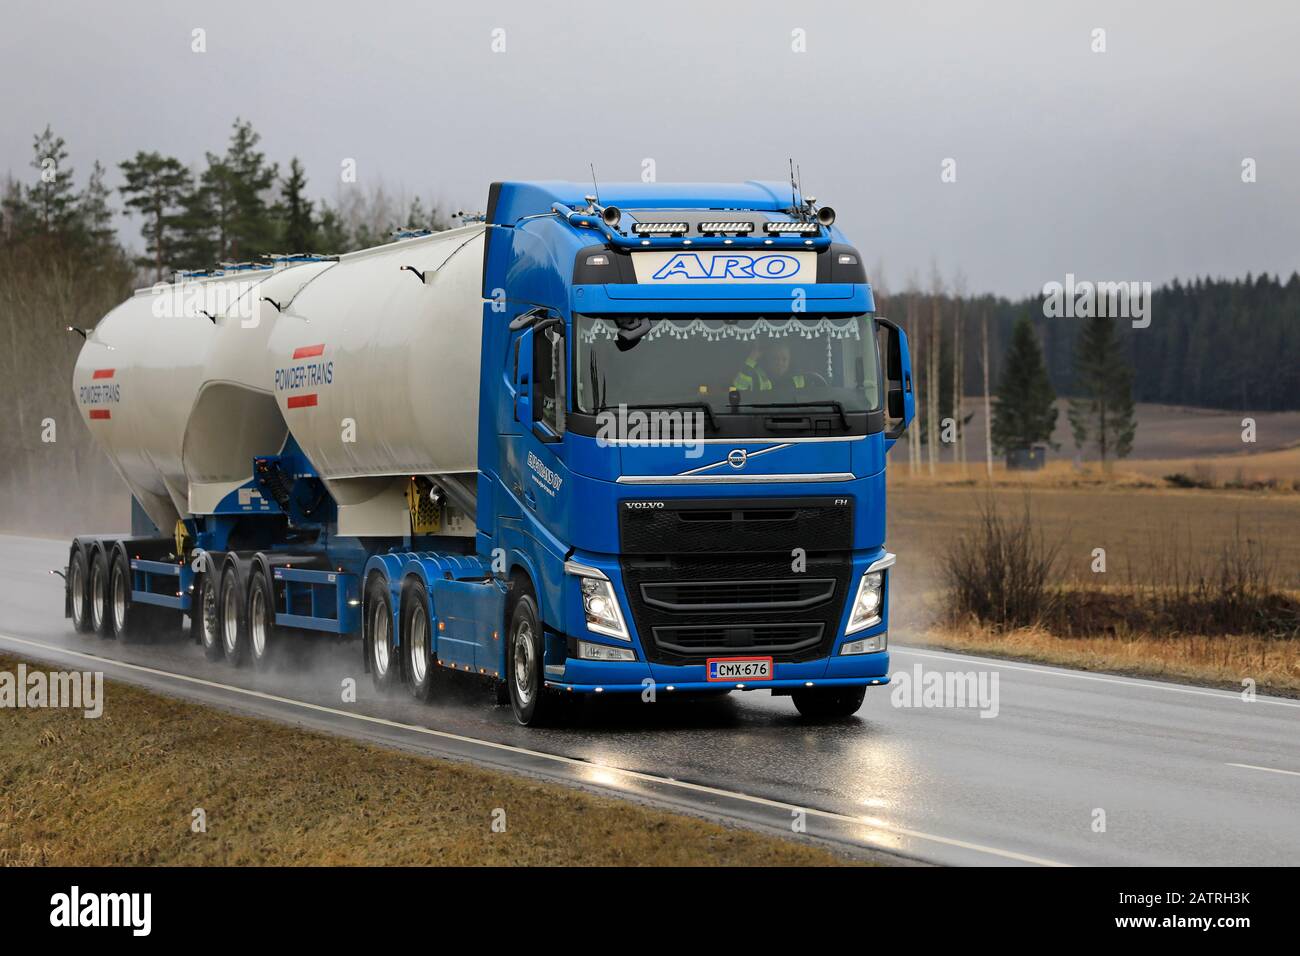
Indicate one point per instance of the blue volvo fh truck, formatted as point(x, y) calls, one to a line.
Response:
point(626, 443)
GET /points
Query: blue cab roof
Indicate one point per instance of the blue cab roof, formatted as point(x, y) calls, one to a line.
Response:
point(514, 200)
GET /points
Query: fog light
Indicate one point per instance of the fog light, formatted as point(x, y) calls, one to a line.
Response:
point(602, 652)
point(867, 645)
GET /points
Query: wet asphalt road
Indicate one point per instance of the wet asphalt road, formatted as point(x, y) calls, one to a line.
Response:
point(1184, 775)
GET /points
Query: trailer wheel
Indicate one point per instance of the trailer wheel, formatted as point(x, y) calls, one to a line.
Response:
point(79, 591)
point(417, 640)
point(98, 593)
point(533, 704)
point(828, 703)
point(264, 635)
point(384, 660)
point(234, 627)
point(207, 616)
point(128, 621)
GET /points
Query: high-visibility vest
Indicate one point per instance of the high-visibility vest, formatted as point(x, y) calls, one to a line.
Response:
point(744, 380)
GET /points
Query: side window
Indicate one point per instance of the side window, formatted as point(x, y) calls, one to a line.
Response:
point(548, 373)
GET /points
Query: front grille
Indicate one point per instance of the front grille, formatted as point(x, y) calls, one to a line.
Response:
point(775, 594)
point(721, 639)
point(711, 578)
point(745, 524)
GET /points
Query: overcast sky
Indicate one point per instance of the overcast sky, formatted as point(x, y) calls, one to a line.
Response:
point(1125, 164)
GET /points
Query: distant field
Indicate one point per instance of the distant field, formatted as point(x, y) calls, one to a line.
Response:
point(1133, 524)
point(1168, 432)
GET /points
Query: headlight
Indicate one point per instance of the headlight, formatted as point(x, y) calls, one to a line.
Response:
point(599, 602)
point(868, 602)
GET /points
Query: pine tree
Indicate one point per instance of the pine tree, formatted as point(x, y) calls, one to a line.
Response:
point(154, 187)
point(1025, 413)
point(248, 177)
point(298, 229)
point(52, 201)
point(1102, 415)
point(95, 213)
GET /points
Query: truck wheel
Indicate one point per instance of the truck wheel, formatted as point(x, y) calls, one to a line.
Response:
point(384, 661)
point(234, 629)
point(417, 639)
point(79, 591)
point(532, 703)
point(828, 703)
point(129, 622)
point(264, 635)
point(208, 616)
point(98, 593)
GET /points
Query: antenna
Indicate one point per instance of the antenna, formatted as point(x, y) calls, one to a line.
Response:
point(594, 187)
point(794, 190)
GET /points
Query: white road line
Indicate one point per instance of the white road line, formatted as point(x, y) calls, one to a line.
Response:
point(1251, 766)
point(1080, 675)
point(585, 765)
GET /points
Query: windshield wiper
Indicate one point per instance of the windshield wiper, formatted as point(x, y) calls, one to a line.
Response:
point(708, 410)
point(824, 403)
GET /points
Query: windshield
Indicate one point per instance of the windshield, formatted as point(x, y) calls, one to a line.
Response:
point(822, 364)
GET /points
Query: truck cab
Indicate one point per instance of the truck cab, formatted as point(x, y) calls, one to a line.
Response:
point(686, 402)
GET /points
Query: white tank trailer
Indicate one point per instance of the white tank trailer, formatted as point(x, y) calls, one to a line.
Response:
point(184, 383)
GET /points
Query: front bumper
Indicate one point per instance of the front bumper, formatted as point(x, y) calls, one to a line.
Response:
point(608, 677)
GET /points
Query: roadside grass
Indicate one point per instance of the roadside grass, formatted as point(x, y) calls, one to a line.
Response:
point(1215, 608)
point(122, 789)
point(1220, 661)
point(1276, 471)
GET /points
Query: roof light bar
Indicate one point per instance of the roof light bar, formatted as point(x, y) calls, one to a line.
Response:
point(716, 226)
point(660, 228)
point(791, 228)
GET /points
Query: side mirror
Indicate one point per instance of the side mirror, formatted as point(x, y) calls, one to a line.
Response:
point(900, 401)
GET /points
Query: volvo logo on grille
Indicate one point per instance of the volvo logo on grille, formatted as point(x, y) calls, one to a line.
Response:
point(642, 505)
point(737, 457)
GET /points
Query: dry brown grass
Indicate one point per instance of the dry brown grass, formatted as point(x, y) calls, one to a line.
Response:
point(120, 790)
point(1277, 472)
point(1220, 661)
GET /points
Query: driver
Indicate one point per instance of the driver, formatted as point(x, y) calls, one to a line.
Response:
point(768, 367)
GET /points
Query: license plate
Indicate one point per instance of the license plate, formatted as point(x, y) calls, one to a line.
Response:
point(738, 668)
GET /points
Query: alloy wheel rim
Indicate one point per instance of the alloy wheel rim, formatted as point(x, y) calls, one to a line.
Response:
point(230, 619)
point(379, 637)
point(97, 598)
point(257, 622)
point(523, 662)
point(78, 592)
point(119, 601)
point(419, 645)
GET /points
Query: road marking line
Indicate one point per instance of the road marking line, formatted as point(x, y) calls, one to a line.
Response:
point(557, 758)
point(1251, 766)
point(1079, 675)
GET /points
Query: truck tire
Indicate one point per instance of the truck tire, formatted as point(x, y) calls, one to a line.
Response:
point(264, 635)
point(533, 704)
point(130, 622)
point(417, 640)
point(380, 645)
point(828, 703)
point(79, 591)
point(234, 623)
point(207, 615)
point(98, 593)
